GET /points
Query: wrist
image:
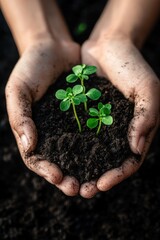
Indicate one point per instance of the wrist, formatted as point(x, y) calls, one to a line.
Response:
point(112, 34)
point(30, 39)
point(118, 21)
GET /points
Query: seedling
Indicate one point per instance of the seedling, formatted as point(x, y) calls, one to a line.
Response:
point(82, 73)
point(77, 95)
point(71, 96)
point(99, 116)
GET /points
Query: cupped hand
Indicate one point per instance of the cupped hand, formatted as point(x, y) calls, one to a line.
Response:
point(38, 67)
point(120, 61)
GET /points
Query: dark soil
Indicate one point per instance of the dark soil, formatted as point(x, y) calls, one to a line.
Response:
point(83, 155)
point(31, 208)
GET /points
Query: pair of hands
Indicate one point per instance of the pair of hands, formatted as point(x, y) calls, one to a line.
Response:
point(116, 59)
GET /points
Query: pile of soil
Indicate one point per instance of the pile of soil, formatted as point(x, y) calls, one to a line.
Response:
point(83, 155)
point(31, 208)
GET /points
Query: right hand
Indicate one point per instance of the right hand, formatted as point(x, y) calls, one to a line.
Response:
point(120, 61)
point(38, 67)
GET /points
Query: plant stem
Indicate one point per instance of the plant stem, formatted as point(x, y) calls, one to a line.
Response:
point(82, 83)
point(99, 126)
point(76, 117)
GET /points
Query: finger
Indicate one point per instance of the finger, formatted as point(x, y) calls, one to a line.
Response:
point(89, 190)
point(129, 167)
point(69, 186)
point(117, 175)
point(36, 163)
point(45, 169)
point(146, 116)
point(19, 102)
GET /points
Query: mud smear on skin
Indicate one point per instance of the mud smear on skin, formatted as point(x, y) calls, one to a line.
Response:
point(83, 155)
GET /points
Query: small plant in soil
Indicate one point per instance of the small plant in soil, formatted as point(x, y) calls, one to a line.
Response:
point(82, 73)
point(71, 96)
point(77, 95)
point(99, 116)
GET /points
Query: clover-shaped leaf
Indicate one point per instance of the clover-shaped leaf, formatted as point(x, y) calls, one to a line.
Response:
point(61, 94)
point(82, 97)
point(93, 112)
point(92, 122)
point(65, 105)
point(77, 89)
point(77, 69)
point(108, 120)
point(88, 70)
point(93, 94)
point(76, 101)
point(71, 78)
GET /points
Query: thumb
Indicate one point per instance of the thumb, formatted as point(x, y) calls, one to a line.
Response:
point(18, 96)
point(146, 118)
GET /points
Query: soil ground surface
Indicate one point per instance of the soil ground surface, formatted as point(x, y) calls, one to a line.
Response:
point(30, 208)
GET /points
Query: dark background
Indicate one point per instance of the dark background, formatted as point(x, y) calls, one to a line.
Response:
point(30, 208)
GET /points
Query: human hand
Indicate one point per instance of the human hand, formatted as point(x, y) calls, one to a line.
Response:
point(39, 66)
point(121, 62)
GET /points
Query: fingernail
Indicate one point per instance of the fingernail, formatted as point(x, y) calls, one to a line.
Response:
point(141, 144)
point(25, 142)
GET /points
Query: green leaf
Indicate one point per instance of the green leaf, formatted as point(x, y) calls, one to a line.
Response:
point(107, 120)
point(92, 122)
point(85, 77)
point(108, 105)
point(71, 78)
point(93, 94)
point(69, 90)
point(76, 100)
point(61, 94)
point(77, 70)
point(89, 70)
point(105, 111)
point(77, 89)
point(82, 97)
point(100, 105)
point(65, 105)
point(93, 112)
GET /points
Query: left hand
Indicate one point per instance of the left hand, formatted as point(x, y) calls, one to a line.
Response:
point(137, 82)
point(38, 67)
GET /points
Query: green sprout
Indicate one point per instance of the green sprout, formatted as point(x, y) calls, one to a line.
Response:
point(71, 96)
point(78, 94)
point(99, 116)
point(82, 73)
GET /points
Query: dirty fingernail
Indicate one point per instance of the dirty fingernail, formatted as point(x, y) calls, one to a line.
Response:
point(141, 144)
point(25, 142)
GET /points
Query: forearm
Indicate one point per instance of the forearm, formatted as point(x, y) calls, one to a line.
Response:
point(34, 20)
point(26, 20)
point(133, 19)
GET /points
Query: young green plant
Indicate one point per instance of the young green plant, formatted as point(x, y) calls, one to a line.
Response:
point(99, 116)
point(71, 96)
point(82, 73)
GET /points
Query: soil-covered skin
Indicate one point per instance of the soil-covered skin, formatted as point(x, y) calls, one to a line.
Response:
point(83, 155)
point(31, 208)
